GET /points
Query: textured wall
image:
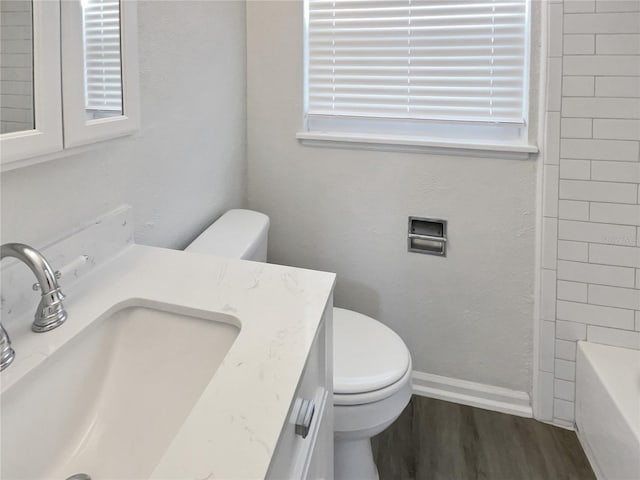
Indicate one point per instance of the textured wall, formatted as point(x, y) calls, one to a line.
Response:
point(186, 165)
point(591, 226)
point(467, 316)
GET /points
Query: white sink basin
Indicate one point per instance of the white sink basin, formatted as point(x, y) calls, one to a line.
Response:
point(109, 402)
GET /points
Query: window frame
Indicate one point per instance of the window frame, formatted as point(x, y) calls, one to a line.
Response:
point(482, 139)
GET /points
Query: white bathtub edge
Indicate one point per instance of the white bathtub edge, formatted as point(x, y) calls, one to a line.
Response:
point(589, 454)
point(606, 398)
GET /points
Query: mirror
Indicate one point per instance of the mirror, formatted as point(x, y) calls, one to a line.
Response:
point(102, 58)
point(16, 66)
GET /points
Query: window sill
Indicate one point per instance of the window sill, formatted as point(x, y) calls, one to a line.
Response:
point(403, 144)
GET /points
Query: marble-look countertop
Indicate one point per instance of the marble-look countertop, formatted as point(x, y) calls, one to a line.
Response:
point(233, 428)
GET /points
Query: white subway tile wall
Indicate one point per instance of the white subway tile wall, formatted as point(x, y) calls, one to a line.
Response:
point(547, 345)
point(16, 66)
point(577, 127)
point(565, 370)
point(579, 6)
point(593, 135)
point(565, 350)
point(571, 331)
point(572, 291)
point(564, 390)
point(548, 298)
point(563, 409)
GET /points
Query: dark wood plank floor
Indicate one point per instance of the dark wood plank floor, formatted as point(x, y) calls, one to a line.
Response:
point(436, 440)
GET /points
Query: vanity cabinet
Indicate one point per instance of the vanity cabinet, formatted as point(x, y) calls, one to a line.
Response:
point(310, 456)
point(225, 405)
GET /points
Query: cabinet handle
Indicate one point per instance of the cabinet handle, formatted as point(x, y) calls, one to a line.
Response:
point(304, 418)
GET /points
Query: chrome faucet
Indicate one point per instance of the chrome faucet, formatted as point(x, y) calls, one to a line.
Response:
point(50, 313)
point(7, 353)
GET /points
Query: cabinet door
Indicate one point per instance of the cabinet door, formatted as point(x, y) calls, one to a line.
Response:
point(320, 465)
point(100, 70)
point(30, 109)
point(310, 457)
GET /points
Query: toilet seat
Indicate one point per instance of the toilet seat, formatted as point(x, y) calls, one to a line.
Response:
point(374, 396)
point(371, 362)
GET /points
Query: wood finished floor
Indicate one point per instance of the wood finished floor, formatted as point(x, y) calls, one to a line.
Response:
point(436, 440)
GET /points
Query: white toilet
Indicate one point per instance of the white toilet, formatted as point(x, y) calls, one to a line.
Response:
point(372, 365)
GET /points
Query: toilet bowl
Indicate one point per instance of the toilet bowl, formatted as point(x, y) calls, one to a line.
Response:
point(372, 385)
point(372, 365)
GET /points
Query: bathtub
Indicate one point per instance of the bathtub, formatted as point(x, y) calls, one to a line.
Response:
point(608, 409)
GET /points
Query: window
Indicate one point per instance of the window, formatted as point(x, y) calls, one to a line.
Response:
point(103, 72)
point(453, 70)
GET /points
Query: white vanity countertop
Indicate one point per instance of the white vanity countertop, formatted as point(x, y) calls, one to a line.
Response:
point(233, 429)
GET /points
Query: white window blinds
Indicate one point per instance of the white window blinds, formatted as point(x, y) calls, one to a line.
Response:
point(103, 79)
point(434, 60)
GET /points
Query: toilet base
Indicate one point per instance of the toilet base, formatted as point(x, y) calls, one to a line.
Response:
point(353, 460)
point(354, 425)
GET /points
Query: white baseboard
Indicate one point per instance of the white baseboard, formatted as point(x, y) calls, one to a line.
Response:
point(473, 394)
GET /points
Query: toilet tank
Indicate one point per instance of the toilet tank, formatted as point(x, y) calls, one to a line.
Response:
point(236, 234)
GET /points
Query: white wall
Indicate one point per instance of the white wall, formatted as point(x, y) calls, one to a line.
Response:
point(187, 164)
point(467, 316)
point(591, 226)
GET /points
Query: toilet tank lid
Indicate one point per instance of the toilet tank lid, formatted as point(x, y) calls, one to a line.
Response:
point(367, 355)
point(236, 234)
